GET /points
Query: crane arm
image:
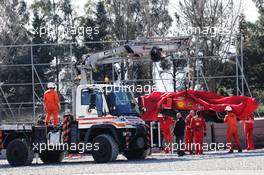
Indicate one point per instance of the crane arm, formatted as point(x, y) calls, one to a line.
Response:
point(156, 49)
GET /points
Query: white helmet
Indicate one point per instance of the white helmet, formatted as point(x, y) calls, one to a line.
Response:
point(228, 108)
point(51, 85)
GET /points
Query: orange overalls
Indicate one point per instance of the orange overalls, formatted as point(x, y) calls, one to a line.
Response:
point(248, 129)
point(166, 124)
point(51, 105)
point(188, 133)
point(198, 127)
point(232, 131)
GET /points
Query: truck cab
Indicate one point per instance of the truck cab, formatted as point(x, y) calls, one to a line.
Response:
point(96, 103)
point(103, 100)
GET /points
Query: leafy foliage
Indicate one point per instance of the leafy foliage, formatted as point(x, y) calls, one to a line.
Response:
point(203, 16)
point(254, 54)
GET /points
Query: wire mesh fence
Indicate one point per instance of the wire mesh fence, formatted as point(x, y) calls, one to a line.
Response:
point(25, 71)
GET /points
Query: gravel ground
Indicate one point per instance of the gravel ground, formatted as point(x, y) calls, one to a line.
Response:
point(210, 163)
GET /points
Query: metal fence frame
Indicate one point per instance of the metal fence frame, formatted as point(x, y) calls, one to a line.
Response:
point(239, 74)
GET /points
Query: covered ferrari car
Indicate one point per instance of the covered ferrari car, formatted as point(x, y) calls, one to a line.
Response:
point(159, 105)
point(197, 100)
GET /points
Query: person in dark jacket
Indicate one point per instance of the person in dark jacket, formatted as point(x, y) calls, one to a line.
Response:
point(179, 132)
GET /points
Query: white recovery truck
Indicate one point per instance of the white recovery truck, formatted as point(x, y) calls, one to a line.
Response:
point(105, 119)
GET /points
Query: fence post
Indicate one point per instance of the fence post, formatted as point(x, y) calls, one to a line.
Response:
point(33, 83)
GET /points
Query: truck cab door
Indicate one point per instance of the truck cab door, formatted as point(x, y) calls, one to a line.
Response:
point(91, 104)
point(85, 104)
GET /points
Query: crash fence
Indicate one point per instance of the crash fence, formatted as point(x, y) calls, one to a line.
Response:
point(24, 80)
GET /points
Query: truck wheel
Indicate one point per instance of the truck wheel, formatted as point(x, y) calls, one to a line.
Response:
point(137, 154)
point(19, 153)
point(107, 149)
point(52, 156)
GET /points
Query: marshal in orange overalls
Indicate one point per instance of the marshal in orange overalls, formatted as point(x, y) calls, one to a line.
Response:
point(51, 105)
point(166, 124)
point(198, 126)
point(232, 131)
point(248, 129)
point(188, 133)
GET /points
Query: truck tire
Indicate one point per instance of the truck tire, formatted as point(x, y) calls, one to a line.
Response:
point(48, 157)
point(19, 153)
point(137, 154)
point(108, 149)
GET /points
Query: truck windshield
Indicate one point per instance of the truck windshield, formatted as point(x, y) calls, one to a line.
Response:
point(121, 101)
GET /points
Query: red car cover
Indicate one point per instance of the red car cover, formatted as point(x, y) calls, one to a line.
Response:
point(197, 100)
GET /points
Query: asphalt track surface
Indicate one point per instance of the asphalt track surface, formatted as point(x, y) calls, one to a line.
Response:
point(157, 164)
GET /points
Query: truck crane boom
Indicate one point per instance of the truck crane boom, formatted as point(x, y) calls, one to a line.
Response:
point(154, 48)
